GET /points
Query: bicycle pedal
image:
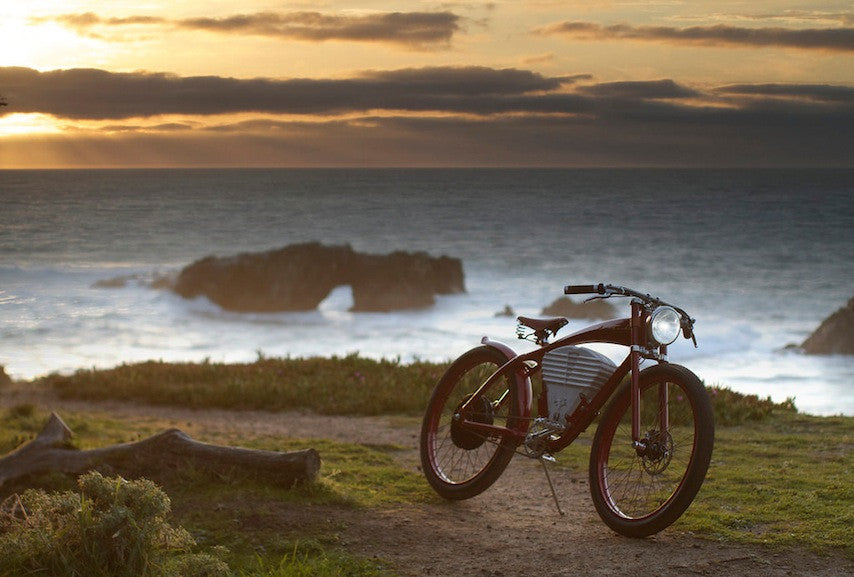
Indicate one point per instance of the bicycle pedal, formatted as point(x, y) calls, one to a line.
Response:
point(549, 458)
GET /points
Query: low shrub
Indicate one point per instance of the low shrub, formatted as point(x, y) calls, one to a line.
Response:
point(338, 385)
point(732, 408)
point(111, 528)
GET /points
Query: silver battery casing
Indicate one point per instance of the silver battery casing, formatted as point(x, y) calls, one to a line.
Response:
point(568, 373)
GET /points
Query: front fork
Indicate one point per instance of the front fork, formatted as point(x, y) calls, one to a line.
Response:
point(638, 328)
point(635, 397)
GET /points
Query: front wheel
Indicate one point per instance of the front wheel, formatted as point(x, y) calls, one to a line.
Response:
point(640, 489)
point(460, 462)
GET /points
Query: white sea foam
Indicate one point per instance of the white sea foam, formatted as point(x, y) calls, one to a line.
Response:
point(752, 286)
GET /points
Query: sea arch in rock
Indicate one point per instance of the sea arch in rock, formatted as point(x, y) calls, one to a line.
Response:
point(299, 277)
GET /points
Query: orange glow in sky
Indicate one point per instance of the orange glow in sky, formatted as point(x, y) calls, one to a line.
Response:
point(377, 83)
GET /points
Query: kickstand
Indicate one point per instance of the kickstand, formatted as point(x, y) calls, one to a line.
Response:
point(551, 486)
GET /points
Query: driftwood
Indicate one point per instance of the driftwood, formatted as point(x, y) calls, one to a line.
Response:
point(169, 450)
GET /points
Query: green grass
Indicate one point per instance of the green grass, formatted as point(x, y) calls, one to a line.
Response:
point(311, 559)
point(109, 527)
point(777, 478)
point(788, 481)
point(348, 385)
point(268, 531)
point(732, 408)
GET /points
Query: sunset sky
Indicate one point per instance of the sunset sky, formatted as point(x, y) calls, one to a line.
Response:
point(154, 83)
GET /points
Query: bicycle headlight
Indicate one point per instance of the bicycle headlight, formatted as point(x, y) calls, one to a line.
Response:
point(664, 325)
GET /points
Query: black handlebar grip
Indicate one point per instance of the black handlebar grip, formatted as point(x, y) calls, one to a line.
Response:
point(580, 289)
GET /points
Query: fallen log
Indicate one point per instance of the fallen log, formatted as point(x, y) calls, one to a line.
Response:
point(168, 451)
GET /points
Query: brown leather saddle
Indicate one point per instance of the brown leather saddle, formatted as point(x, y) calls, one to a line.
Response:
point(543, 327)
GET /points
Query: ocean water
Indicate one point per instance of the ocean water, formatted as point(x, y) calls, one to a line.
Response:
point(758, 257)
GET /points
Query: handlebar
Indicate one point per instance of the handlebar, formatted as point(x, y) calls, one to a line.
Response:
point(609, 290)
point(583, 289)
point(604, 291)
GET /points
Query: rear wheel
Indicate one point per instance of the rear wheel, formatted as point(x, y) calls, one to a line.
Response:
point(640, 490)
point(460, 462)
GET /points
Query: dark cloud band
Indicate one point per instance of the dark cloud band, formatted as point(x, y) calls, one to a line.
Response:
point(413, 28)
point(98, 94)
point(419, 30)
point(813, 92)
point(449, 115)
point(831, 39)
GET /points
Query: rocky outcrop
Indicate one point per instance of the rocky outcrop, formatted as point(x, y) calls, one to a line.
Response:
point(402, 280)
point(566, 307)
point(299, 277)
point(5, 379)
point(835, 335)
point(507, 311)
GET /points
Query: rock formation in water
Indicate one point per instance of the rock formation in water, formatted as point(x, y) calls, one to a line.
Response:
point(299, 277)
point(835, 335)
point(4, 378)
point(566, 307)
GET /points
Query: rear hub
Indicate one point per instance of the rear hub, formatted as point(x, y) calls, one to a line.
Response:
point(478, 411)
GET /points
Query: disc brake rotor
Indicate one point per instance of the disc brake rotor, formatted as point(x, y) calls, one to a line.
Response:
point(658, 452)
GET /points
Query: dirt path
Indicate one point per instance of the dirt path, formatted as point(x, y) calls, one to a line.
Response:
point(512, 530)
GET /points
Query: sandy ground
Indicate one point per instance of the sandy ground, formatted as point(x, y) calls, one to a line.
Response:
point(513, 529)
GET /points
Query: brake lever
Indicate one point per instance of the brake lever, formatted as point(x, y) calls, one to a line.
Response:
point(598, 297)
point(688, 330)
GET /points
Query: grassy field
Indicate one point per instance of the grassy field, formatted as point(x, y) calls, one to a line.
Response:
point(348, 385)
point(785, 481)
point(266, 531)
point(777, 478)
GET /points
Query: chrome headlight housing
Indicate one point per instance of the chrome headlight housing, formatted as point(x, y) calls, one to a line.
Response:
point(663, 325)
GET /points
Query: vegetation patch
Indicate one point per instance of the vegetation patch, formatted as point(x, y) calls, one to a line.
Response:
point(732, 408)
point(777, 478)
point(118, 528)
point(348, 385)
point(787, 481)
point(265, 530)
point(111, 528)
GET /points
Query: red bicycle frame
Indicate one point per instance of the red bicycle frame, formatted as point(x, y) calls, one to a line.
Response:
point(629, 332)
point(642, 474)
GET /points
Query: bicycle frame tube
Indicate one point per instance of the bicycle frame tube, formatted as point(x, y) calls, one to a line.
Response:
point(637, 338)
point(523, 392)
point(629, 332)
point(615, 331)
point(588, 412)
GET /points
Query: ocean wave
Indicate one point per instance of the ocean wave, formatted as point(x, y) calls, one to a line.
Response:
point(522, 235)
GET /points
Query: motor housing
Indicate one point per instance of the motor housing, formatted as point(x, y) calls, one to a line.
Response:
point(570, 372)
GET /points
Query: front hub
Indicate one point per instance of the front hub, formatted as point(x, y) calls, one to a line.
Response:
point(656, 451)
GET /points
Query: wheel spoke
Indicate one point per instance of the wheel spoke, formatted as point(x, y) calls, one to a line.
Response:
point(640, 490)
point(455, 456)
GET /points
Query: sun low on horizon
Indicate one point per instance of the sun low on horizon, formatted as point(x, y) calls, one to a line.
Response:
point(88, 84)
